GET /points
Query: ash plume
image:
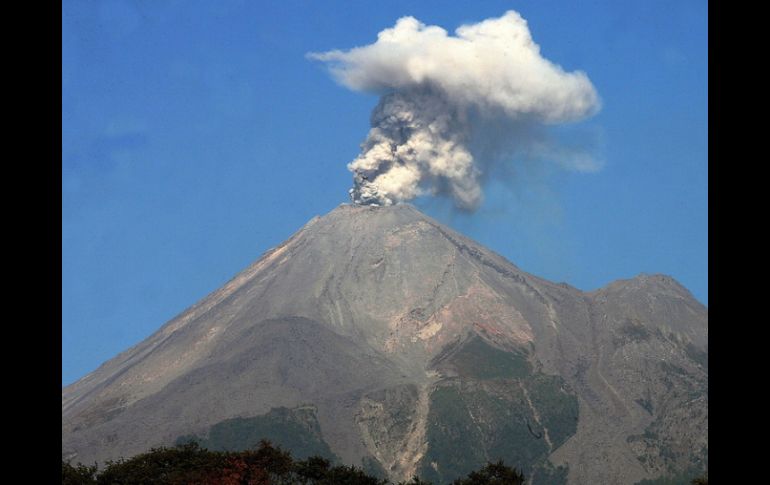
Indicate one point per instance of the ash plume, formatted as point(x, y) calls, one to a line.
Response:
point(453, 106)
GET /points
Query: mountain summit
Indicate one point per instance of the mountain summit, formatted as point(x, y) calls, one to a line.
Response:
point(378, 337)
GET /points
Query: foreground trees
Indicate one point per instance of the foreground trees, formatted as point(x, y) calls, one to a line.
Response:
point(703, 480)
point(493, 474)
point(189, 464)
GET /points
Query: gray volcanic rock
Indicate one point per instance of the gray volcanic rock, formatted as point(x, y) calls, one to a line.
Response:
point(402, 346)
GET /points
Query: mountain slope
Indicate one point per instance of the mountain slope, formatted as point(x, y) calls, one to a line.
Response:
point(416, 350)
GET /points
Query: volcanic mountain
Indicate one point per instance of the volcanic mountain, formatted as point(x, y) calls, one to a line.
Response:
point(378, 337)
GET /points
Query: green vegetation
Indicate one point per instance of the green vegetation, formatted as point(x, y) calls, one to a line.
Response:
point(493, 474)
point(78, 475)
point(292, 429)
point(455, 446)
point(556, 404)
point(679, 478)
point(189, 464)
point(479, 360)
point(548, 474)
point(512, 431)
point(632, 330)
point(499, 408)
point(646, 404)
point(701, 480)
point(699, 356)
point(673, 369)
point(467, 427)
point(372, 467)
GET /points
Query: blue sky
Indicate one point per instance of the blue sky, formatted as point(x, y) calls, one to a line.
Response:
point(196, 135)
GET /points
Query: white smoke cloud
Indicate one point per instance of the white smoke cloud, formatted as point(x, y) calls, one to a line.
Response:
point(439, 92)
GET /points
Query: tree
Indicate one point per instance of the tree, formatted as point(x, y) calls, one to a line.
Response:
point(415, 481)
point(77, 475)
point(312, 470)
point(701, 480)
point(185, 464)
point(191, 464)
point(493, 474)
point(349, 475)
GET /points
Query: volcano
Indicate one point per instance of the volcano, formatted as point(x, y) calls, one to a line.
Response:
point(378, 337)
